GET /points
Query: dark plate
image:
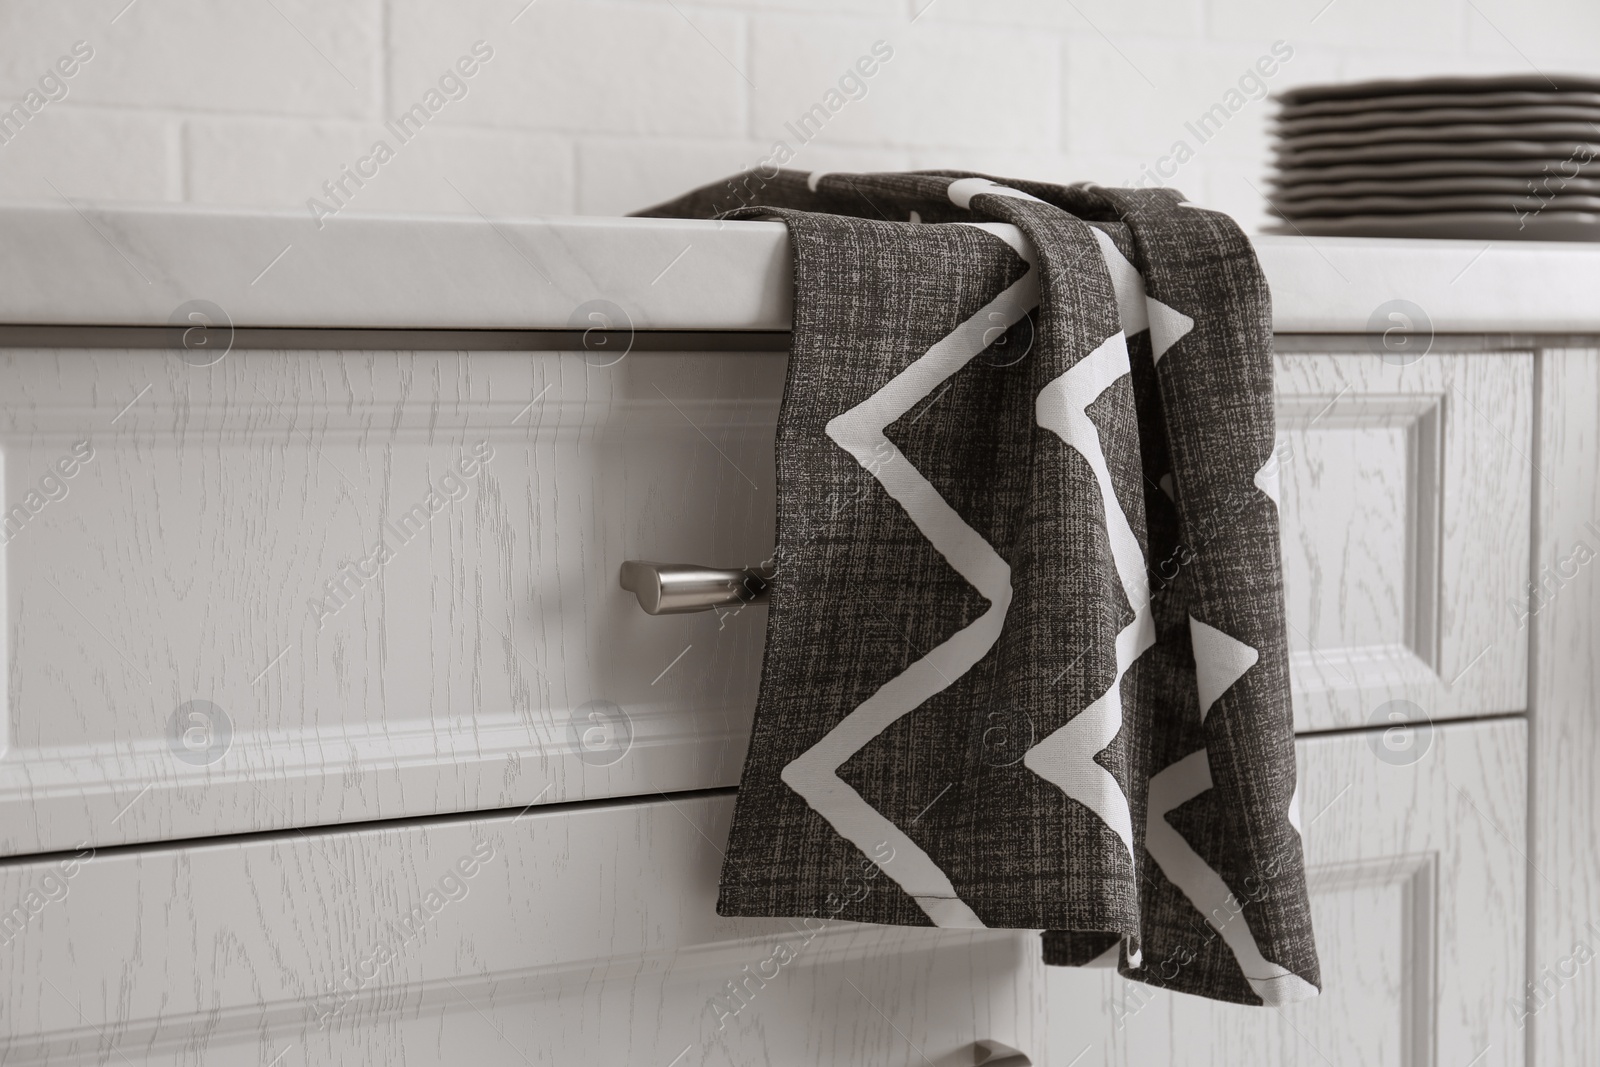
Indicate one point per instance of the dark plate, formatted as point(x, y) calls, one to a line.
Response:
point(1345, 206)
point(1446, 85)
point(1529, 169)
point(1469, 133)
point(1448, 186)
point(1423, 101)
point(1520, 116)
point(1475, 225)
point(1463, 153)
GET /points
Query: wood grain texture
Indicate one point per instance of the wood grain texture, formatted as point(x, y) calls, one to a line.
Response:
point(186, 561)
point(1564, 995)
point(179, 567)
point(181, 563)
point(584, 935)
point(1418, 898)
point(1405, 512)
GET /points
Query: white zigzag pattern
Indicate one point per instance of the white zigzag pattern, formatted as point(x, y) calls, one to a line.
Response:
point(1066, 757)
point(859, 431)
point(1220, 660)
point(1205, 888)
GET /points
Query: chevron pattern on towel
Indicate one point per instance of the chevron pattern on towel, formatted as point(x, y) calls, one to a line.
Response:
point(1026, 664)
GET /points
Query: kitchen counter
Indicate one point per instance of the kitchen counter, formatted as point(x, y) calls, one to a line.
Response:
point(315, 629)
point(112, 265)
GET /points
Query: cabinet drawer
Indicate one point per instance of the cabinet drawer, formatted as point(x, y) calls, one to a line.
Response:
point(1405, 496)
point(588, 934)
point(558, 936)
point(298, 588)
point(303, 588)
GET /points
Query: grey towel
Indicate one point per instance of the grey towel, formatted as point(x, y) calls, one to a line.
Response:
point(1025, 660)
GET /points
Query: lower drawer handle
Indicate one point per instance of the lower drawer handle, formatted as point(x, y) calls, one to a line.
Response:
point(994, 1054)
point(676, 588)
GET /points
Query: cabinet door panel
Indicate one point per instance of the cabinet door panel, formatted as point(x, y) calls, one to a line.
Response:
point(1417, 885)
point(1404, 494)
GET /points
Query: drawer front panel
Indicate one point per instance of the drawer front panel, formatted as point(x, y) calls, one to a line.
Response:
point(1405, 505)
point(296, 588)
point(557, 936)
point(590, 935)
point(301, 588)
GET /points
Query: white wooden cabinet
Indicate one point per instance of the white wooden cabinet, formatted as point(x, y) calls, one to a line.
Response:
point(245, 760)
point(454, 677)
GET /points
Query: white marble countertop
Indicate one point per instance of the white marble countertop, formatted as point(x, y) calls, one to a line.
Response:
point(113, 265)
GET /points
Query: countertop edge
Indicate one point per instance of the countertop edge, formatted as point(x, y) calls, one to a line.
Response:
point(80, 264)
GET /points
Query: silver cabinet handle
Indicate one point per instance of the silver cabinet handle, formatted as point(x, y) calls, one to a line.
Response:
point(676, 588)
point(992, 1054)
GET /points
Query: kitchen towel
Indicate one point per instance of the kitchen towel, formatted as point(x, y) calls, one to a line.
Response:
point(1025, 661)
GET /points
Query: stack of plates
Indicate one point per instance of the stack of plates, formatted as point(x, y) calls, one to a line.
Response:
point(1506, 157)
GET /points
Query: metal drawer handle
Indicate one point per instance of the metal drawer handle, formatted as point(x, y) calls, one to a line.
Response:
point(992, 1054)
point(676, 588)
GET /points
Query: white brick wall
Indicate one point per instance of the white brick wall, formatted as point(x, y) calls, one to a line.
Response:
point(602, 106)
